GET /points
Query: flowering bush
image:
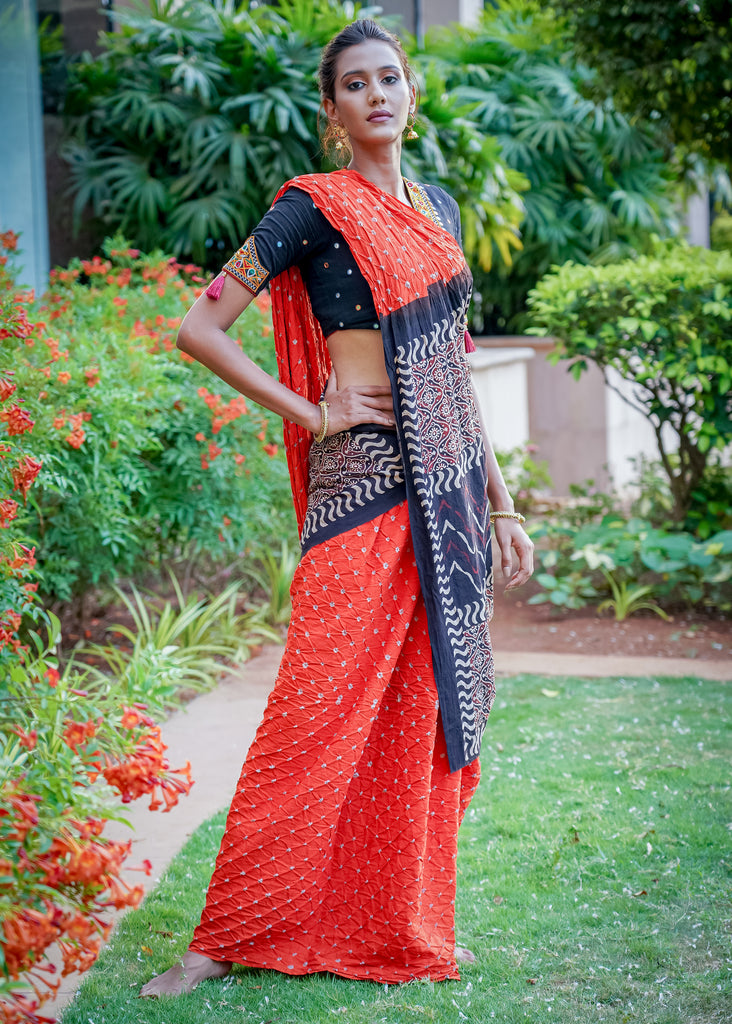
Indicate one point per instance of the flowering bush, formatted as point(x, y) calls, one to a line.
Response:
point(135, 456)
point(70, 749)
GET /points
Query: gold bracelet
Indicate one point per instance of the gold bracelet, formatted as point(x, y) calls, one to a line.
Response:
point(508, 515)
point(320, 436)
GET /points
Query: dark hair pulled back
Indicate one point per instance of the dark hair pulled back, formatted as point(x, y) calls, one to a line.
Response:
point(352, 35)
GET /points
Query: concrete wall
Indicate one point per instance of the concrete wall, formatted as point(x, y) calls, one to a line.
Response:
point(433, 12)
point(500, 377)
point(583, 429)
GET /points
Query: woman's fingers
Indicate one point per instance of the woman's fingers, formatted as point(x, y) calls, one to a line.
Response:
point(354, 405)
point(511, 537)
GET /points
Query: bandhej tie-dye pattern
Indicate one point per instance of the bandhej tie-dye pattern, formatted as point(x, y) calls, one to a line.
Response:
point(340, 846)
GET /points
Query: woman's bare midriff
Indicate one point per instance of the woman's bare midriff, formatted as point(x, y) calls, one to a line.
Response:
point(358, 358)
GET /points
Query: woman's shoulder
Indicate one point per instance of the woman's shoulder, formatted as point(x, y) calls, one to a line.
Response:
point(437, 204)
point(302, 184)
point(441, 196)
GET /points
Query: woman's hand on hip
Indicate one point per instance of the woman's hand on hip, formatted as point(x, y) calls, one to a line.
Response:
point(358, 404)
point(511, 537)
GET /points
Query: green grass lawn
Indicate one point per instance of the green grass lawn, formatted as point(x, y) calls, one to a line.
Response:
point(594, 880)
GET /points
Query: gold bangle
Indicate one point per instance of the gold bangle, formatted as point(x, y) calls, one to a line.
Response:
point(508, 515)
point(320, 436)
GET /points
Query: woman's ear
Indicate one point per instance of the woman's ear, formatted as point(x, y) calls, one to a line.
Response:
point(330, 109)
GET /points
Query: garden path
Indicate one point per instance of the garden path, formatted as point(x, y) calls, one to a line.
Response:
point(214, 731)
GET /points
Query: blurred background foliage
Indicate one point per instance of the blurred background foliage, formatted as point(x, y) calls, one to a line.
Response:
point(181, 131)
point(598, 180)
point(669, 62)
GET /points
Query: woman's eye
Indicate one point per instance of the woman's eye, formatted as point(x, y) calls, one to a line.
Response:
point(390, 79)
point(354, 85)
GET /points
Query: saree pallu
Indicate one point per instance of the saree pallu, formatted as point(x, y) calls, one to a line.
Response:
point(340, 846)
point(421, 288)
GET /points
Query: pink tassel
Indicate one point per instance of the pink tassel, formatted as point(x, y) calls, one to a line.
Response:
point(469, 343)
point(214, 289)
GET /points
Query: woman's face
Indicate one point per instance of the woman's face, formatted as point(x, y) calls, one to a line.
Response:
point(372, 95)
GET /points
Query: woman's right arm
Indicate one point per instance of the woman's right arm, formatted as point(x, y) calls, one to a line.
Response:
point(203, 336)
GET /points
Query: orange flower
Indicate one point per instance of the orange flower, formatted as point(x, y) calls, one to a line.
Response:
point(24, 560)
point(77, 733)
point(8, 512)
point(63, 377)
point(239, 458)
point(17, 419)
point(96, 267)
point(52, 676)
point(25, 473)
point(200, 436)
point(9, 241)
point(271, 449)
point(92, 376)
point(133, 717)
point(7, 387)
point(9, 626)
point(27, 740)
point(76, 438)
point(213, 451)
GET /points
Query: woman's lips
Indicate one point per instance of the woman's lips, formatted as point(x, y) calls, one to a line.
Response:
point(382, 115)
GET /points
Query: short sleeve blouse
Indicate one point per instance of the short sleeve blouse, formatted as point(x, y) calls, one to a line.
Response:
point(295, 232)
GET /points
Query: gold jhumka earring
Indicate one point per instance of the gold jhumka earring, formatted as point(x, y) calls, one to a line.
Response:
point(411, 134)
point(341, 137)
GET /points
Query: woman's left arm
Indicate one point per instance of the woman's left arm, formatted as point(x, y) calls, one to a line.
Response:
point(509, 533)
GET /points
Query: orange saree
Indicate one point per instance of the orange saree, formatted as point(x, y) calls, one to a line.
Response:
point(340, 847)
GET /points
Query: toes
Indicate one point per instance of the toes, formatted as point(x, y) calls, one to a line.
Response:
point(464, 956)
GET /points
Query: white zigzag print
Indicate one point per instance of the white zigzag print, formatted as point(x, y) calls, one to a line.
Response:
point(444, 442)
point(372, 458)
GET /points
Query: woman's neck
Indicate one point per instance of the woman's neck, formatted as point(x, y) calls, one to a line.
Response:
point(383, 170)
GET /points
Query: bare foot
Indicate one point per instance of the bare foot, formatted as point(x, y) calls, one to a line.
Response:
point(464, 956)
point(184, 977)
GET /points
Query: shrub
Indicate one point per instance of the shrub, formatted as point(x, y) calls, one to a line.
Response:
point(525, 476)
point(662, 322)
point(143, 457)
point(584, 565)
point(70, 746)
point(667, 61)
point(721, 231)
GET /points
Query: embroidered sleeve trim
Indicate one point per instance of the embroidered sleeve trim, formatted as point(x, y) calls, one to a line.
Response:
point(421, 201)
point(245, 266)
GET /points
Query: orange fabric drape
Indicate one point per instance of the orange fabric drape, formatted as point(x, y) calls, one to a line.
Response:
point(340, 846)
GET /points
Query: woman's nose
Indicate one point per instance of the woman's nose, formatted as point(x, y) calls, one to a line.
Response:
point(376, 95)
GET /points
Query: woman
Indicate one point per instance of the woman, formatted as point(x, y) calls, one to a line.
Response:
point(340, 845)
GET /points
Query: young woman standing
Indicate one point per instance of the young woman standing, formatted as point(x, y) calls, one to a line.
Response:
point(340, 847)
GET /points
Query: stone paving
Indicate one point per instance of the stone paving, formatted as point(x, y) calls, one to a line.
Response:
point(214, 731)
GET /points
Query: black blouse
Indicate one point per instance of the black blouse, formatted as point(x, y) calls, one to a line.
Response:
point(295, 232)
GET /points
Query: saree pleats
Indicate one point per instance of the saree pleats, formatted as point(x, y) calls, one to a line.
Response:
point(340, 846)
